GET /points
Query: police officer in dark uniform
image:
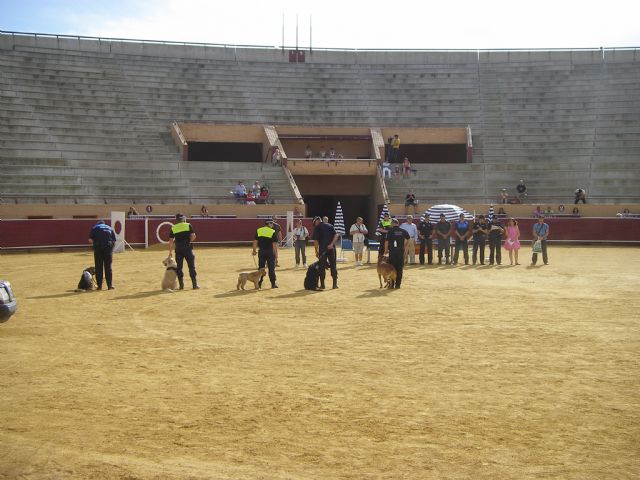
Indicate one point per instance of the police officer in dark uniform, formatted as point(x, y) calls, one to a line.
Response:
point(383, 226)
point(266, 240)
point(495, 241)
point(181, 238)
point(324, 241)
point(397, 246)
point(103, 240)
point(425, 232)
point(461, 231)
point(480, 229)
point(443, 231)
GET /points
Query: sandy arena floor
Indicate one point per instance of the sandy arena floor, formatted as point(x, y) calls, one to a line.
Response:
point(464, 373)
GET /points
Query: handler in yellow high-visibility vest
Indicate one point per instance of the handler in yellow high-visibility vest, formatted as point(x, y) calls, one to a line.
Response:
point(266, 240)
point(180, 239)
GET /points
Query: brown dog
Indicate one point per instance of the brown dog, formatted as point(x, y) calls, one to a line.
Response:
point(170, 279)
point(386, 271)
point(252, 277)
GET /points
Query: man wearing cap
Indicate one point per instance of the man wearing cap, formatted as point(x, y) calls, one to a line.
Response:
point(324, 240)
point(266, 240)
point(383, 226)
point(425, 234)
point(397, 247)
point(181, 239)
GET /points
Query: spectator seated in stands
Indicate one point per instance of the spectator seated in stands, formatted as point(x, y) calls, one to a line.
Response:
point(396, 172)
point(255, 188)
point(521, 188)
point(580, 196)
point(410, 201)
point(308, 153)
point(504, 197)
point(537, 212)
point(561, 208)
point(501, 211)
point(575, 211)
point(323, 153)
point(626, 213)
point(132, 211)
point(240, 192)
point(386, 170)
point(332, 153)
point(263, 198)
point(251, 198)
point(406, 168)
point(548, 211)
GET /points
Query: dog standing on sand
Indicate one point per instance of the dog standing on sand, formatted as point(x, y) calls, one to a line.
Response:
point(254, 277)
point(170, 280)
point(387, 272)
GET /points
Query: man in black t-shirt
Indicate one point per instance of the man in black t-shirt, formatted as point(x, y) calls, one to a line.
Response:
point(397, 247)
point(324, 240)
point(495, 241)
point(181, 238)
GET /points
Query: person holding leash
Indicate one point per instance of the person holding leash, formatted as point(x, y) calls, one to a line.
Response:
point(103, 240)
point(266, 241)
point(324, 240)
point(396, 247)
point(181, 239)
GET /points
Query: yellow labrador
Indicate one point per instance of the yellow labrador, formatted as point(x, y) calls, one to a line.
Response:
point(170, 280)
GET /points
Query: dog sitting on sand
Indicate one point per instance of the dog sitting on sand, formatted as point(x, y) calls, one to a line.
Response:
point(87, 280)
point(387, 272)
point(254, 277)
point(170, 279)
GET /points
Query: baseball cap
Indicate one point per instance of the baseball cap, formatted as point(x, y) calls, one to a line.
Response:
point(316, 218)
point(395, 220)
point(179, 216)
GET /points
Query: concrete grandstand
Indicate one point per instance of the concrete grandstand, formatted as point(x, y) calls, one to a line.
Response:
point(88, 123)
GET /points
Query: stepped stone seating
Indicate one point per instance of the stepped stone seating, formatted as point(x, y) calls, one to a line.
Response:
point(99, 111)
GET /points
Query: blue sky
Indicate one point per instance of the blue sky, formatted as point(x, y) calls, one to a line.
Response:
point(340, 23)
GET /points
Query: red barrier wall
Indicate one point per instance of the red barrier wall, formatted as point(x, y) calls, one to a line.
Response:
point(60, 233)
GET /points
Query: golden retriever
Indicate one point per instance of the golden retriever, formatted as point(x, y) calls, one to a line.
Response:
point(170, 280)
point(386, 271)
point(254, 277)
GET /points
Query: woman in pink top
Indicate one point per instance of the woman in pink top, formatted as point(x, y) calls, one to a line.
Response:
point(512, 242)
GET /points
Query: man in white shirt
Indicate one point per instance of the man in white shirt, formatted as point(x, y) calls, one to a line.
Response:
point(358, 233)
point(412, 230)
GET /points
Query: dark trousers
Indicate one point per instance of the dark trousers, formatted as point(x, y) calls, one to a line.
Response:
point(443, 246)
point(331, 260)
point(396, 258)
point(268, 258)
point(495, 250)
point(426, 243)
point(534, 257)
point(578, 200)
point(478, 244)
point(464, 246)
point(186, 253)
point(102, 258)
point(300, 248)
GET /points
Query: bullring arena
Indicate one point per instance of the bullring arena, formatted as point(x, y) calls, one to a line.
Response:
point(492, 371)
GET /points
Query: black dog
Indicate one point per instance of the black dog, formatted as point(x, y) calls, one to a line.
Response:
point(313, 273)
point(87, 280)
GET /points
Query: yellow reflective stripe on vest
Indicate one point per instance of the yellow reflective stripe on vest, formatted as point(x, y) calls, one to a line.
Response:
point(180, 227)
point(266, 232)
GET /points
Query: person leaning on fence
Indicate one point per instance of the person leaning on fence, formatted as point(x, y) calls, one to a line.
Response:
point(358, 232)
point(181, 240)
point(300, 235)
point(103, 240)
point(266, 241)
